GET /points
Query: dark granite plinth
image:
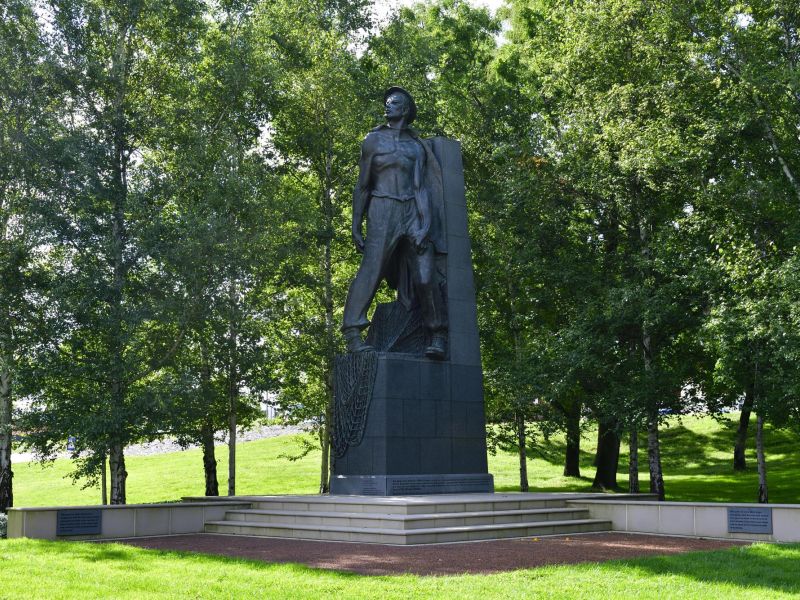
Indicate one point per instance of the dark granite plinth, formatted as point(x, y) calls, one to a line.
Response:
point(425, 432)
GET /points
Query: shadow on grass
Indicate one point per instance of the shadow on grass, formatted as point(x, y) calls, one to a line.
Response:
point(109, 554)
point(698, 465)
point(214, 560)
point(771, 567)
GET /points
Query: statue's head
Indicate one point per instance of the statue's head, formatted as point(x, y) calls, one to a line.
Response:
point(398, 102)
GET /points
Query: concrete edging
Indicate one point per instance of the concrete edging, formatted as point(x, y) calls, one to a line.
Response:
point(122, 521)
point(691, 519)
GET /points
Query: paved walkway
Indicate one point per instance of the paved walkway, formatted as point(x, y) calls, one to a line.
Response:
point(435, 559)
point(169, 445)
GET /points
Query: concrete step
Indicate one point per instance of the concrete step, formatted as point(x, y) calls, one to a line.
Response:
point(402, 537)
point(404, 505)
point(404, 522)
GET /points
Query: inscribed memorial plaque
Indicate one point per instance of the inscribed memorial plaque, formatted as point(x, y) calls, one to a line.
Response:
point(80, 521)
point(749, 520)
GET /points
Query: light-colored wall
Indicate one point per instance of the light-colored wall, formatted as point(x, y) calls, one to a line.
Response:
point(132, 520)
point(694, 519)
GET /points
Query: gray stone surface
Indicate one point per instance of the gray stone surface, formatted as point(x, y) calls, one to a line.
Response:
point(422, 519)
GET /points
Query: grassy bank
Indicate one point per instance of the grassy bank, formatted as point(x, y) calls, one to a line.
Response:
point(54, 570)
point(697, 461)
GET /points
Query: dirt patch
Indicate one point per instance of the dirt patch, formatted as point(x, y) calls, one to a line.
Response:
point(436, 559)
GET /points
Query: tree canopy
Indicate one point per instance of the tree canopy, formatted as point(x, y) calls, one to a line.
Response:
point(175, 182)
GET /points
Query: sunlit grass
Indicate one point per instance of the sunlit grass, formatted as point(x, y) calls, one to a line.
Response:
point(697, 462)
point(56, 570)
point(262, 469)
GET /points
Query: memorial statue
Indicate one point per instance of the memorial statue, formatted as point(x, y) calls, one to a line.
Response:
point(400, 190)
point(408, 415)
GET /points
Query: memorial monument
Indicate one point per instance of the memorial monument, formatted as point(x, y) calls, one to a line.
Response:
point(409, 413)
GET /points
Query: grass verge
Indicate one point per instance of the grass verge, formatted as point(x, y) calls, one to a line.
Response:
point(54, 570)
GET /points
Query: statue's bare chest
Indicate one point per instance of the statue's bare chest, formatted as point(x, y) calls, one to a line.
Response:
point(397, 152)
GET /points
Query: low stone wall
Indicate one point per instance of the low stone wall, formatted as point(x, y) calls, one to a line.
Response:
point(122, 521)
point(693, 519)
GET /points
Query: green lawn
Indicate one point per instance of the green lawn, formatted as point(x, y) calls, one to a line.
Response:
point(53, 570)
point(696, 459)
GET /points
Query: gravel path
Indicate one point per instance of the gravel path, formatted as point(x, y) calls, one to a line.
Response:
point(168, 445)
point(435, 559)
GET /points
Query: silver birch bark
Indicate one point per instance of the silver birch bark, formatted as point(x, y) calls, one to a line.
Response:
point(523, 452)
point(633, 464)
point(330, 328)
point(763, 492)
point(6, 474)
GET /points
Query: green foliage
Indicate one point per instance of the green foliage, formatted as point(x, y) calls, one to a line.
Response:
point(175, 185)
point(315, 132)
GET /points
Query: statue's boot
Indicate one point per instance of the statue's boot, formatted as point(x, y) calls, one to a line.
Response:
point(354, 343)
point(436, 349)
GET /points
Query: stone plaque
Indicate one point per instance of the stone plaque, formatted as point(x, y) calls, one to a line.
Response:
point(749, 520)
point(79, 521)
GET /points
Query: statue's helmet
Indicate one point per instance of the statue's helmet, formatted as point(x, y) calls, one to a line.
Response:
point(412, 107)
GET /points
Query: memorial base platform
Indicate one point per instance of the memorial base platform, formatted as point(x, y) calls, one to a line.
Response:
point(403, 520)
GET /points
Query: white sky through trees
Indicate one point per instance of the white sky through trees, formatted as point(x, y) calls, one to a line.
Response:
point(383, 5)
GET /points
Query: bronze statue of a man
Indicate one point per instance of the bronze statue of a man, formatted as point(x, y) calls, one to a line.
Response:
point(399, 189)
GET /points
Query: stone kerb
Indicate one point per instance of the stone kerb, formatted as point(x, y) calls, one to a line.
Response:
point(122, 521)
point(691, 519)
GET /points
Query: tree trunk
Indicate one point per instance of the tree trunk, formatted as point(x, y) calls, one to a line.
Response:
point(119, 237)
point(232, 447)
point(739, 460)
point(522, 445)
point(633, 464)
point(6, 475)
point(763, 492)
point(116, 463)
point(572, 458)
point(116, 454)
point(207, 427)
point(654, 456)
point(325, 434)
point(233, 388)
point(330, 328)
point(325, 444)
point(104, 481)
point(653, 443)
point(209, 460)
point(607, 457)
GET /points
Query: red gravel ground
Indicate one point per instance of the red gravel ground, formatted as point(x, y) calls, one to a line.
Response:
point(435, 559)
